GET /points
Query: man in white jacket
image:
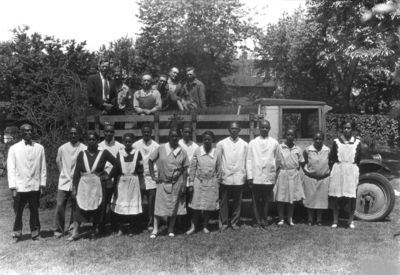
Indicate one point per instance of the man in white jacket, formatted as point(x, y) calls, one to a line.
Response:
point(233, 154)
point(261, 172)
point(66, 161)
point(26, 165)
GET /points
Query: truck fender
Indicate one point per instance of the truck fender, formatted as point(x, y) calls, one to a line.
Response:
point(372, 166)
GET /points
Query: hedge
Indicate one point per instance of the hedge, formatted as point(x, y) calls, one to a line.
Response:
point(381, 130)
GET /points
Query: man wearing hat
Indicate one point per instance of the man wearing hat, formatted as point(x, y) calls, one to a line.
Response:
point(98, 89)
point(26, 165)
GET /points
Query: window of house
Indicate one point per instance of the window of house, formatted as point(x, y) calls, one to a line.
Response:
point(304, 121)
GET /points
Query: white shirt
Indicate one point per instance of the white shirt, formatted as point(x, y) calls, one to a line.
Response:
point(66, 161)
point(261, 160)
point(104, 82)
point(146, 149)
point(113, 147)
point(189, 147)
point(26, 167)
point(233, 160)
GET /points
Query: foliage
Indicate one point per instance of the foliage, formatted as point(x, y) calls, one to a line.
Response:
point(45, 77)
point(374, 129)
point(326, 48)
point(203, 34)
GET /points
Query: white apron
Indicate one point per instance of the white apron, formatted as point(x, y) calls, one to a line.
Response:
point(89, 190)
point(128, 201)
point(345, 173)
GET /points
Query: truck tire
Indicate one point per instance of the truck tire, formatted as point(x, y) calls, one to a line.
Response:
point(375, 197)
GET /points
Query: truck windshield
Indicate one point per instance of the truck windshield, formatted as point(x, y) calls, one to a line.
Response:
point(304, 121)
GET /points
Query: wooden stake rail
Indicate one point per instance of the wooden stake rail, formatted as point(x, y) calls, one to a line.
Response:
point(248, 129)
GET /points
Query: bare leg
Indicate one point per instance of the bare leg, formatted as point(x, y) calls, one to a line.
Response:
point(156, 223)
point(195, 219)
point(310, 214)
point(206, 218)
point(280, 210)
point(335, 216)
point(171, 224)
point(319, 215)
point(290, 213)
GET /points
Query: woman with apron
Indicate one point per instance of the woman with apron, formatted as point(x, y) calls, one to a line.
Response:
point(172, 163)
point(204, 177)
point(126, 201)
point(288, 188)
point(89, 184)
point(344, 159)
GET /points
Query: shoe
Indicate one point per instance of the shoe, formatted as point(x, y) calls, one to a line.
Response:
point(310, 223)
point(319, 223)
point(291, 223)
point(351, 225)
point(153, 235)
point(256, 226)
point(235, 227)
point(130, 233)
point(223, 229)
point(150, 228)
point(171, 235)
point(205, 230)
point(93, 237)
point(37, 239)
point(334, 225)
point(72, 238)
point(120, 233)
point(191, 231)
point(281, 223)
point(15, 240)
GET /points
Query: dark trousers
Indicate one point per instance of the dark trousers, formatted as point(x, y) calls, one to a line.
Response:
point(261, 194)
point(227, 192)
point(62, 200)
point(32, 198)
point(150, 195)
point(113, 217)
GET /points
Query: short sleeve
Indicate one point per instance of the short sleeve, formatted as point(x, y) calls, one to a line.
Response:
point(185, 160)
point(155, 155)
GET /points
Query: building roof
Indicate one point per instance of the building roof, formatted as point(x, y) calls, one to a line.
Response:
point(287, 102)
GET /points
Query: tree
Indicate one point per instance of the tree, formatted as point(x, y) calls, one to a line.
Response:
point(46, 80)
point(200, 33)
point(326, 52)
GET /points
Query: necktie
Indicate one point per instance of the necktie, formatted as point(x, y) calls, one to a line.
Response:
point(106, 88)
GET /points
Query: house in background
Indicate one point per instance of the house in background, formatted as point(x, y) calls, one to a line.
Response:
point(247, 84)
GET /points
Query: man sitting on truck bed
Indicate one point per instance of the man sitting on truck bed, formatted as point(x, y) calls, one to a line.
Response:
point(146, 101)
point(193, 94)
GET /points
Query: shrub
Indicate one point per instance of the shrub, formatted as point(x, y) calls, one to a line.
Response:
point(373, 129)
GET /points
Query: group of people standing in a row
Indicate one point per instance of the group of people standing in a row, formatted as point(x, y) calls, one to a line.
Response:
point(108, 94)
point(181, 174)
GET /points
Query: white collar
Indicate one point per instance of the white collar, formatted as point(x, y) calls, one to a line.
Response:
point(285, 146)
point(147, 143)
point(233, 140)
point(203, 152)
point(263, 138)
point(125, 154)
point(169, 149)
point(74, 145)
point(312, 148)
point(111, 143)
point(187, 143)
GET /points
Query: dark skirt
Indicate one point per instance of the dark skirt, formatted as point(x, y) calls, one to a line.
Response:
point(348, 204)
point(81, 215)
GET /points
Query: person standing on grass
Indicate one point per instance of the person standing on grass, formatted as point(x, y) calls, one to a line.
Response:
point(66, 161)
point(288, 188)
point(127, 202)
point(233, 152)
point(344, 159)
point(204, 177)
point(27, 175)
point(316, 177)
point(261, 172)
point(189, 146)
point(146, 147)
point(172, 162)
point(112, 146)
point(89, 184)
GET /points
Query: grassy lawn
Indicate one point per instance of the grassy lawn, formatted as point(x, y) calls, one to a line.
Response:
point(368, 249)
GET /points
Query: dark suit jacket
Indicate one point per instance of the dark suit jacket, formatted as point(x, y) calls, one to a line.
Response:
point(95, 92)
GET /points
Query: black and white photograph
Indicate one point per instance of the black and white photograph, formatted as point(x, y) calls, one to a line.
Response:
point(200, 137)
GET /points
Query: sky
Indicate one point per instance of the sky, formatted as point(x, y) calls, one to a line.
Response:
point(98, 21)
